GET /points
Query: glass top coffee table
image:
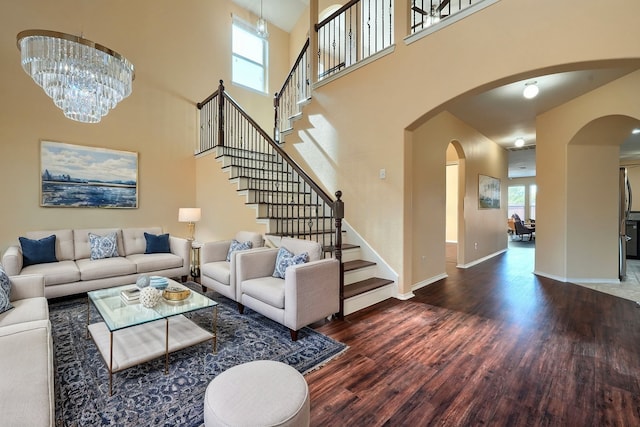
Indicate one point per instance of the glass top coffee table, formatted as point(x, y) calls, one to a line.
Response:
point(131, 334)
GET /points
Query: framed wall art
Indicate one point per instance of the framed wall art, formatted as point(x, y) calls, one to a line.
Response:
point(488, 192)
point(88, 177)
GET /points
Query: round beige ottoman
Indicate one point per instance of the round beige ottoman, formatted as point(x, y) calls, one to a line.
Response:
point(259, 393)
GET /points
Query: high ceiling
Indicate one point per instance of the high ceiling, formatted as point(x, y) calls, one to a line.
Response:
point(282, 13)
point(501, 114)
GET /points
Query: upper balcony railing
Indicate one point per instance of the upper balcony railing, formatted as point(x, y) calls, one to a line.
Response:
point(352, 33)
point(425, 13)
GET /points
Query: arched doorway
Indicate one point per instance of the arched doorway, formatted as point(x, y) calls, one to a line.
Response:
point(454, 239)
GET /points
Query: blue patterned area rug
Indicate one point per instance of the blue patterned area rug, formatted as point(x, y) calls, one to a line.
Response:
point(143, 395)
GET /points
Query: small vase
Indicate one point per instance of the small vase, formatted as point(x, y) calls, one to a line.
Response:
point(149, 297)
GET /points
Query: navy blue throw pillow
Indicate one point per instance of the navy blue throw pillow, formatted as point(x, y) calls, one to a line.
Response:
point(38, 251)
point(157, 244)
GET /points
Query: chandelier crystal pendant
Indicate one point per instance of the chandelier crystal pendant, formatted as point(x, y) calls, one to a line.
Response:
point(83, 78)
point(261, 25)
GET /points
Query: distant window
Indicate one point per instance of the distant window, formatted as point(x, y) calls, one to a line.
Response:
point(249, 60)
point(533, 189)
point(516, 201)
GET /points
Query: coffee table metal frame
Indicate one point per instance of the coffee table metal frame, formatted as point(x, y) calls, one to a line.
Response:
point(119, 315)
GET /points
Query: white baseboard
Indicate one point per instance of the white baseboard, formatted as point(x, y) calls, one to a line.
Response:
point(480, 260)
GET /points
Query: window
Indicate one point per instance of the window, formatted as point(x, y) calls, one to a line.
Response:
point(516, 201)
point(532, 201)
point(249, 62)
point(522, 201)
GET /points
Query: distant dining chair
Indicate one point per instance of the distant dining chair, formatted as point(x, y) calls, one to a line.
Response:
point(522, 230)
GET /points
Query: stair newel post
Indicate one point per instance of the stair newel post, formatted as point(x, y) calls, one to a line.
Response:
point(221, 114)
point(276, 104)
point(338, 213)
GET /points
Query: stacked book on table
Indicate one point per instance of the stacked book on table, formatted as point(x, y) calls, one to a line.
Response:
point(130, 295)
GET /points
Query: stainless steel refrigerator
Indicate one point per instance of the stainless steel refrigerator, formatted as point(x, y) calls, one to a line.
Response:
point(623, 212)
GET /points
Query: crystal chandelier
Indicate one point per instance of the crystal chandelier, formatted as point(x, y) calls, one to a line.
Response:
point(83, 78)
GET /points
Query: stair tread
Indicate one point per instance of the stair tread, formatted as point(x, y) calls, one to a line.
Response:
point(357, 264)
point(345, 246)
point(366, 285)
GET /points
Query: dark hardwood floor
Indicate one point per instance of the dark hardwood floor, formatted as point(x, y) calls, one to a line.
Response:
point(490, 345)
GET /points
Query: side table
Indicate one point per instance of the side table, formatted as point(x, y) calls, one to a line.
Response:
point(195, 259)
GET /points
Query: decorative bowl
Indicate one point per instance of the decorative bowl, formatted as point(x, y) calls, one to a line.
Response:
point(173, 293)
point(150, 296)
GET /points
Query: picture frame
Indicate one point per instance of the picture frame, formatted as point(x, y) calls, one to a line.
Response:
point(488, 192)
point(87, 177)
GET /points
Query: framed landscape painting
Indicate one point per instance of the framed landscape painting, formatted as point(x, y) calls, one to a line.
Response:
point(488, 192)
point(88, 177)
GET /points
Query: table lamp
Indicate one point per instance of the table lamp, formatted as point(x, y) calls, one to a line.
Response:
point(191, 216)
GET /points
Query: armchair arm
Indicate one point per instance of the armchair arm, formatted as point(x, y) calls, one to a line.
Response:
point(181, 247)
point(26, 286)
point(214, 251)
point(12, 260)
point(311, 292)
point(255, 263)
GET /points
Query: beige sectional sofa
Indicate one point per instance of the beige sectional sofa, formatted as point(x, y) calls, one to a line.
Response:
point(27, 395)
point(74, 272)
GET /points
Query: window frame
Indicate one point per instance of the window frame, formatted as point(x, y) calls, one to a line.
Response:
point(246, 27)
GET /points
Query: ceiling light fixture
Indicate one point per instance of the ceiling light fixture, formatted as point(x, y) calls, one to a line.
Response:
point(83, 78)
point(261, 25)
point(530, 90)
point(519, 142)
point(635, 131)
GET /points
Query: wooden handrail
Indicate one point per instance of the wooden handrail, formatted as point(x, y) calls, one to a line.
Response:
point(294, 68)
point(329, 18)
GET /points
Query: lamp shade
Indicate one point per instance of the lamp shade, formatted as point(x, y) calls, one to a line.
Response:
point(189, 214)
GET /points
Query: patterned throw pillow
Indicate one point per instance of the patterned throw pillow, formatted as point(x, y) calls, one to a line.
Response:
point(5, 291)
point(103, 246)
point(237, 246)
point(286, 259)
point(38, 251)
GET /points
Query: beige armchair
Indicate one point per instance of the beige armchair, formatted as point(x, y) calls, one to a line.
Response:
point(309, 292)
point(218, 273)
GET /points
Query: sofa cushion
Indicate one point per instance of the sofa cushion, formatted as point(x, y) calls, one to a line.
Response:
point(26, 380)
point(64, 242)
point(134, 241)
point(238, 246)
point(220, 271)
point(103, 268)
point(157, 244)
point(26, 310)
point(103, 246)
point(83, 247)
point(145, 263)
point(286, 259)
point(55, 273)
point(38, 251)
point(5, 293)
point(269, 290)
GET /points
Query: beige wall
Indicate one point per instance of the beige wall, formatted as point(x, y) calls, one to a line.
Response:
point(179, 53)
point(594, 124)
point(428, 196)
